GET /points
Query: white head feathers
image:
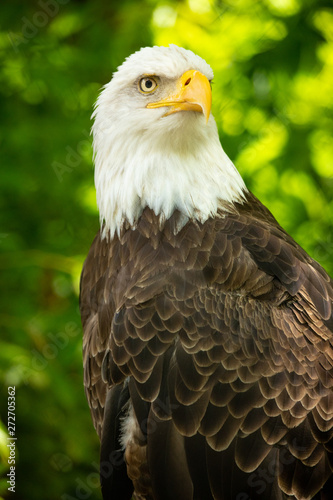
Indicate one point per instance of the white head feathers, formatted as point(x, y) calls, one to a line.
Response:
point(144, 158)
point(170, 62)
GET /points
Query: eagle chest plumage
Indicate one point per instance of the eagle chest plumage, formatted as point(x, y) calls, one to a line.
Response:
point(208, 359)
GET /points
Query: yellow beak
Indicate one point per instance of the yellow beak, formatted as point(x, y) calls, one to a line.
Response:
point(193, 94)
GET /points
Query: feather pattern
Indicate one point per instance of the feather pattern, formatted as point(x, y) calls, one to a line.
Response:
point(222, 330)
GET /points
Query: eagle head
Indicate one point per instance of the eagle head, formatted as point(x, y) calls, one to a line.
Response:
point(156, 142)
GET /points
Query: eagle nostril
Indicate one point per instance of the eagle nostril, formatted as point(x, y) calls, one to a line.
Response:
point(187, 81)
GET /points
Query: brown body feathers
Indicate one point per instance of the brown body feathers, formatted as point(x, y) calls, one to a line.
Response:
point(208, 360)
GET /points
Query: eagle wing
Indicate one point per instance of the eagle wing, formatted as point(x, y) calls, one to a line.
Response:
point(218, 337)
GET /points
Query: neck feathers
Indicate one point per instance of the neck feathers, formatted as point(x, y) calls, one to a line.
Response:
point(185, 172)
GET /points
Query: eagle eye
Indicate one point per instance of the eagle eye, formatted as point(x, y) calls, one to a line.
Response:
point(147, 84)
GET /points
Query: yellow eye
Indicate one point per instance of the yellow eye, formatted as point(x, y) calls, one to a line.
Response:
point(147, 84)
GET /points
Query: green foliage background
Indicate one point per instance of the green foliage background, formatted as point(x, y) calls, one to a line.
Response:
point(272, 99)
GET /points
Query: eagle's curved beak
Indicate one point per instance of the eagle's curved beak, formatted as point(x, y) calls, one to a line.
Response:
point(193, 93)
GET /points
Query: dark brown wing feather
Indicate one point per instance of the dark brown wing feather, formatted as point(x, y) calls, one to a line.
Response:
point(225, 331)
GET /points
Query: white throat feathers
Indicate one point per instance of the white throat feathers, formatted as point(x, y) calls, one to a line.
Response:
point(145, 158)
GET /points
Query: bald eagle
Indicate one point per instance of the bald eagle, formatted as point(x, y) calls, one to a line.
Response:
point(208, 348)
